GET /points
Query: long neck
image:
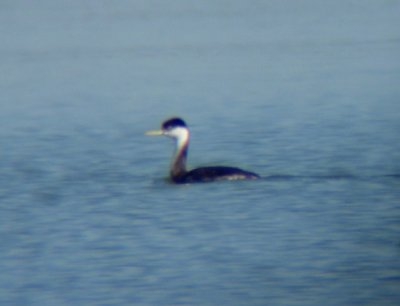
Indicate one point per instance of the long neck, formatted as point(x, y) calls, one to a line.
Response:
point(178, 166)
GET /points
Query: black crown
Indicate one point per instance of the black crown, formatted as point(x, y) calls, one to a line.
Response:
point(172, 123)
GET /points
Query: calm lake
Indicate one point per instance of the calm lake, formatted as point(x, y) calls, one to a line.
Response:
point(305, 93)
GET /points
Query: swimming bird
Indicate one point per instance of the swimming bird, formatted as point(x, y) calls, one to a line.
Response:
point(177, 129)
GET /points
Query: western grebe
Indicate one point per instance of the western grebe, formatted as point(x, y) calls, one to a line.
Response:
point(176, 128)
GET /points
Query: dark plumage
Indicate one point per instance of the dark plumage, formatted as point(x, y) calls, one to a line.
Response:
point(215, 173)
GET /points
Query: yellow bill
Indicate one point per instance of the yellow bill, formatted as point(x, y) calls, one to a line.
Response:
point(154, 133)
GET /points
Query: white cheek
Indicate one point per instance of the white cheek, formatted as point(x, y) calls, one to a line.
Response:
point(180, 134)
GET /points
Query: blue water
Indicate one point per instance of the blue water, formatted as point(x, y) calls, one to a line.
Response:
point(305, 93)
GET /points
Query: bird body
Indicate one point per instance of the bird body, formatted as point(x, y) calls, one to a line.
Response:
point(177, 129)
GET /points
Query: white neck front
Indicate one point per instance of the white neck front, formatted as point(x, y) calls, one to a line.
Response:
point(181, 135)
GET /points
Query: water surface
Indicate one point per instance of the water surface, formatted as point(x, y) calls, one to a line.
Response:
point(306, 94)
